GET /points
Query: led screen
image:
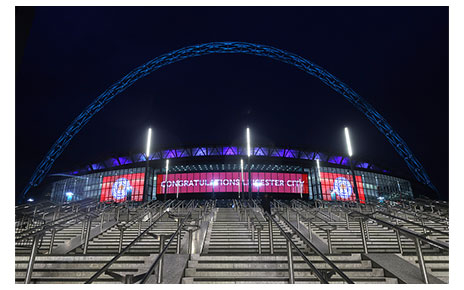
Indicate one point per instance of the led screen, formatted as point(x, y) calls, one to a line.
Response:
point(203, 182)
point(120, 188)
point(337, 186)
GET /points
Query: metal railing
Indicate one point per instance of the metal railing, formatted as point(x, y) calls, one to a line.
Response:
point(159, 258)
point(126, 249)
point(290, 245)
point(417, 239)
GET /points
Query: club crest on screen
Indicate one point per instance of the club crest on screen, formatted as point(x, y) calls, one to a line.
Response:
point(121, 188)
point(342, 187)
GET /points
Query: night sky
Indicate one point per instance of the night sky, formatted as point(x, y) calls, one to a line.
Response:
point(395, 57)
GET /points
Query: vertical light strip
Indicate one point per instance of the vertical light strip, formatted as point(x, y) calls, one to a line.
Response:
point(241, 166)
point(248, 141)
point(148, 143)
point(167, 170)
point(348, 142)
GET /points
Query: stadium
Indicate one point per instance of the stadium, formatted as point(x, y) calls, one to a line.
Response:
point(200, 172)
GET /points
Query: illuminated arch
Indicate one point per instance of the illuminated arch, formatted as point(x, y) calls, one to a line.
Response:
point(229, 47)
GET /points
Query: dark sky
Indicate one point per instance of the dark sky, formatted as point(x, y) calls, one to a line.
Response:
point(395, 57)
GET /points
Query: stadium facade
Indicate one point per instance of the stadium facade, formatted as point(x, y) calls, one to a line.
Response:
point(216, 171)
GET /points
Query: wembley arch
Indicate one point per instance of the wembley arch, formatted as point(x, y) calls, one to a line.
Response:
point(220, 48)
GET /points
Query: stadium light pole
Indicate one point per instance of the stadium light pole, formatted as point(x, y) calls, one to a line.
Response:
point(258, 185)
point(249, 164)
point(241, 180)
point(214, 182)
point(319, 173)
point(147, 157)
point(166, 180)
point(350, 153)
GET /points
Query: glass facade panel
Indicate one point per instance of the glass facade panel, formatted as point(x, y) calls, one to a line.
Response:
point(327, 183)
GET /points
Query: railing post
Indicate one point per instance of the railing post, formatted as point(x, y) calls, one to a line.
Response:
point(259, 240)
point(252, 231)
point(421, 261)
point(310, 236)
point(179, 237)
point(52, 241)
point(347, 221)
point(398, 238)
point(271, 239)
point(121, 238)
point(288, 214)
point(297, 221)
point(160, 264)
point(329, 241)
point(366, 225)
point(190, 246)
point(30, 266)
point(140, 226)
point(87, 235)
point(83, 229)
point(291, 279)
point(102, 221)
point(363, 235)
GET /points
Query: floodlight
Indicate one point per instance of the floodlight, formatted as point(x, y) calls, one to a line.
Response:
point(348, 142)
point(248, 142)
point(148, 142)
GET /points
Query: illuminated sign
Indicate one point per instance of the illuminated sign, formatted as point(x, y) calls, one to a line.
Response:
point(336, 186)
point(204, 182)
point(124, 187)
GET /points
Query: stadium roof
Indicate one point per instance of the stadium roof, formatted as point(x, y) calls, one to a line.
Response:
point(208, 151)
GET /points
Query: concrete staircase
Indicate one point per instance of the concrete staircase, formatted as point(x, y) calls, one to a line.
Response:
point(230, 256)
point(274, 269)
point(50, 269)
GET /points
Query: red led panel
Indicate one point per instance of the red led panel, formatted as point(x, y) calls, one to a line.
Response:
point(119, 187)
point(336, 186)
point(204, 182)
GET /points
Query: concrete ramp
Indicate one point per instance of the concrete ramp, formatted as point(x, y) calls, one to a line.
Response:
point(401, 269)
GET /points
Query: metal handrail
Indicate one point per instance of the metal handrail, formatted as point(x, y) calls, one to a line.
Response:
point(165, 248)
point(53, 224)
point(115, 258)
point(422, 214)
point(255, 217)
point(412, 222)
point(289, 239)
point(311, 220)
point(60, 224)
point(405, 232)
point(316, 250)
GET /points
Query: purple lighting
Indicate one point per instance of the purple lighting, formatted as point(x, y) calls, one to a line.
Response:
point(345, 161)
point(362, 165)
point(335, 159)
point(291, 153)
point(229, 151)
point(201, 151)
point(169, 154)
point(181, 153)
point(124, 160)
point(259, 151)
